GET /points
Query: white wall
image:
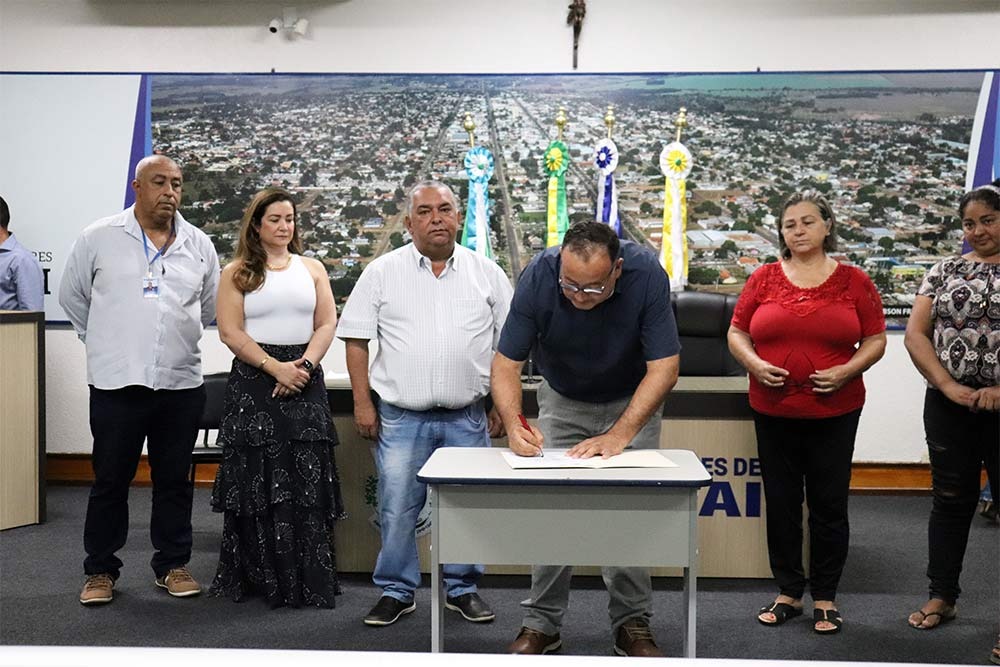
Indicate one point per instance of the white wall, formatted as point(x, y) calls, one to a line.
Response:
point(486, 36)
point(475, 36)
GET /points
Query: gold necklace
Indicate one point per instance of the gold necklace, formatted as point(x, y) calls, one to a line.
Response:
point(284, 266)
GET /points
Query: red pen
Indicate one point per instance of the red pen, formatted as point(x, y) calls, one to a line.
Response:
point(524, 422)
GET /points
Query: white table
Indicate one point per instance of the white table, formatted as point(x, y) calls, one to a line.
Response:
point(486, 512)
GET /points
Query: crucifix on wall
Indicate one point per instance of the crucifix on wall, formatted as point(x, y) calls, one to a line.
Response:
point(577, 11)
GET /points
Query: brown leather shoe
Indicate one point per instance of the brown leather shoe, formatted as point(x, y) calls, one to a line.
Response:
point(98, 589)
point(179, 583)
point(635, 639)
point(533, 642)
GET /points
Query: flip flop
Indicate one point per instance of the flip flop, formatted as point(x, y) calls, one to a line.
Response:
point(830, 616)
point(995, 653)
point(782, 612)
point(946, 614)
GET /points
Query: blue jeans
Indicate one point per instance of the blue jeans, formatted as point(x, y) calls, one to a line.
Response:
point(406, 440)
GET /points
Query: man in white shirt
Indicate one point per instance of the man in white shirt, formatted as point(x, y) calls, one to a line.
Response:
point(436, 309)
point(139, 287)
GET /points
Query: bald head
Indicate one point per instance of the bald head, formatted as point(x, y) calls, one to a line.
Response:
point(157, 185)
point(151, 161)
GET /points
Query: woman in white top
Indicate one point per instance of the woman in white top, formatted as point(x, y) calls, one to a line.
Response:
point(278, 485)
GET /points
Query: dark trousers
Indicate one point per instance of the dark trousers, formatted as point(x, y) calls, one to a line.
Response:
point(816, 452)
point(120, 420)
point(960, 444)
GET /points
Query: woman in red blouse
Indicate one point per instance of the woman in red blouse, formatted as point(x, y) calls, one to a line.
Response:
point(953, 337)
point(806, 328)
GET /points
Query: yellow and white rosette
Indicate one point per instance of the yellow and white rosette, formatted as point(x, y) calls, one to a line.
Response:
point(675, 163)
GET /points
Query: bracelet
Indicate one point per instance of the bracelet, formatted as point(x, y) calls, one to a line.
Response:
point(263, 361)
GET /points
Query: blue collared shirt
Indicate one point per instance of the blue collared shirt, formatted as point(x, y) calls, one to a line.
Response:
point(22, 283)
point(596, 355)
point(130, 339)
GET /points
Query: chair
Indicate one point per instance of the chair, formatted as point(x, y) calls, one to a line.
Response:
point(211, 416)
point(702, 323)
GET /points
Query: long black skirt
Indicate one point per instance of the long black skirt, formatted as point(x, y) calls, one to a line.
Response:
point(278, 489)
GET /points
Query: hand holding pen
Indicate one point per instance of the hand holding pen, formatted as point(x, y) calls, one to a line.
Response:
point(524, 439)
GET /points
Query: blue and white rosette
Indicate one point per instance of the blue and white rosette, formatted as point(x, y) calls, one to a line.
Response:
point(606, 161)
point(479, 169)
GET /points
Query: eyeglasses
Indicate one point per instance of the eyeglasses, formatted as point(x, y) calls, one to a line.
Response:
point(594, 291)
point(794, 386)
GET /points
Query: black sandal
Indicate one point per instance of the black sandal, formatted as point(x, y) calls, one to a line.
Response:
point(829, 616)
point(946, 614)
point(782, 612)
point(995, 654)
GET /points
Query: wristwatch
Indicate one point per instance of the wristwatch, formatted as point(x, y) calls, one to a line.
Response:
point(308, 365)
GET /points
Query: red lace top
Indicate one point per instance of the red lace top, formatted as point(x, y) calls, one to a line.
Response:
point(804, 330)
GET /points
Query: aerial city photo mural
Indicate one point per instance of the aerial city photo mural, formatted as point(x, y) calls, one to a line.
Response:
point(891, 151)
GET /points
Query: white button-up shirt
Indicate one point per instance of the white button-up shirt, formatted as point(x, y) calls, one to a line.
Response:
point(436, 334)
point(130, 339)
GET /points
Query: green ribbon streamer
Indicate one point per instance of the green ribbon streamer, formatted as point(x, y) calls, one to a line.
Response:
point(555, 162)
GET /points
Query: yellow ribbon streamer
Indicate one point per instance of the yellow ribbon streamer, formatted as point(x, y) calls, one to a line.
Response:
point(553, 213)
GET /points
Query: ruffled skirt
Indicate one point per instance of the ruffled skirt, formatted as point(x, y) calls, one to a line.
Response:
point(278, 489)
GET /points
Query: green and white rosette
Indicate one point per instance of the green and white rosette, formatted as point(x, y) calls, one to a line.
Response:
point(555, 162)
point(479, 169)
point(675, 163)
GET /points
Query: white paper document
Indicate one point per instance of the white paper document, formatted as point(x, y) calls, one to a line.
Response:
point(556, 458)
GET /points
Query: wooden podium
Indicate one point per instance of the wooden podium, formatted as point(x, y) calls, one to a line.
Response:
point(22, 406)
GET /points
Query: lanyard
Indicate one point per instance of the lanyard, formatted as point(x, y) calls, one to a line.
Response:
point(159, 252)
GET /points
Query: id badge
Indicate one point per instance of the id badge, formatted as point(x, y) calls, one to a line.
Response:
point(150, 287)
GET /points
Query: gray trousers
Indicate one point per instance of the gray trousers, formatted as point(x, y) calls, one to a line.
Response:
point(565, 423)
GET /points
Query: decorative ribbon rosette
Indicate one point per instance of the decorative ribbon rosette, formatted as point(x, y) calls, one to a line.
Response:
point(479, 164)
point(606, 156)
point(675, 163)
point(479, 169)
point(606, 161)
point(556, 161)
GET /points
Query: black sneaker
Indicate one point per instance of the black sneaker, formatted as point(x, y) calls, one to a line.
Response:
point(388, 610)
point(471, 607)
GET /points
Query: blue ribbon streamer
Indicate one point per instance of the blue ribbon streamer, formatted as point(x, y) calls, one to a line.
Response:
point(609, 185)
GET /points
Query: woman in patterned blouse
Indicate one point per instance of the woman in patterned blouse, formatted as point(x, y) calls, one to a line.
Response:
point(953, 337)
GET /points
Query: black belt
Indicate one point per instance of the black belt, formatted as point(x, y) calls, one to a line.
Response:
point(439, 410)
point(444, 411)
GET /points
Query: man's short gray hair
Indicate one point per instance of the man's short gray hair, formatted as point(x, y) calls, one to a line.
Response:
point(423, 185)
